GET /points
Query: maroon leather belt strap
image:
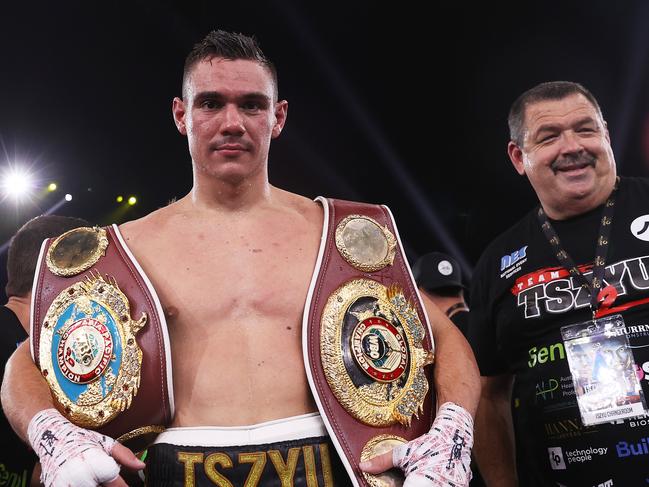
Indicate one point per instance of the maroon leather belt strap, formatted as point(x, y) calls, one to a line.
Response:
point(366, 337)
point(99, 336)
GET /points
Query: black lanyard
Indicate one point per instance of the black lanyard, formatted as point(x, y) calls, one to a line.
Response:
point(594, 286)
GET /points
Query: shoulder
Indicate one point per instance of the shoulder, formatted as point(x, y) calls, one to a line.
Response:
point(634, 185)
point(511, 237)
point(155, 222)
point(298, 204)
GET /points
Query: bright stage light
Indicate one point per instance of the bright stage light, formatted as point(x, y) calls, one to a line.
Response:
point(68, 197)
point(132, 200)
point(51, 187)
point(17, 183)
point(119, 199)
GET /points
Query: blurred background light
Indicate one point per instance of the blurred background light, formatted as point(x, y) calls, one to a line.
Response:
point(16, 183)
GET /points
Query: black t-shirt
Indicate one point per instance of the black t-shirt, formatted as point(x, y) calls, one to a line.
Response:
point(16, 458)
point(521, 297)
point(461, 320)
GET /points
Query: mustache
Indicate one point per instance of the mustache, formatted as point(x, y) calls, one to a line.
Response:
point(582, 159)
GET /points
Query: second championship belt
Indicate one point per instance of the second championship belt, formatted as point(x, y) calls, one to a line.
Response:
point(99, 336)
point(366, 339)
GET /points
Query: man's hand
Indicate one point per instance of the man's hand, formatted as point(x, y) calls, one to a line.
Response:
point(441, 457)
point(73, 456)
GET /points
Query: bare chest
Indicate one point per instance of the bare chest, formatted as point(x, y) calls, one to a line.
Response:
point(234, 296)
point(207, 278)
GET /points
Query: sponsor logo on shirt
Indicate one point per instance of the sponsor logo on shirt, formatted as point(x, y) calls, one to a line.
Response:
point(556, 351)
point(555, 389)
point(553, 290)
point(584, 455)
point(567, 428)
point(640, 228)
point(556, 458)
point(625, 449)
point(510, 264)
point(607, 483)
point(641, 421)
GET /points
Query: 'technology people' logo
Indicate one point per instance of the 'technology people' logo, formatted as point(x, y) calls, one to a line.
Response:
point(556, 458)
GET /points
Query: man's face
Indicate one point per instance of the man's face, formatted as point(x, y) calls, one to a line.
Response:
point(229, 116)
point(566, 155)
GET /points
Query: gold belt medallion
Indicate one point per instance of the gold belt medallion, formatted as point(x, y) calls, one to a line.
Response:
point(76, 251)
point(372, 352)
point(364, 243)
point(88, 353)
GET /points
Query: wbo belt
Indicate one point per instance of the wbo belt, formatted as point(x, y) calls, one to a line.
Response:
point(99, 336)
point(366, 338)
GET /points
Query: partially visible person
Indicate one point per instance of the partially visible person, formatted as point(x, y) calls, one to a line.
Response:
point(17, 460)
point(439, 276)
point(578, 257)
point(232, 263)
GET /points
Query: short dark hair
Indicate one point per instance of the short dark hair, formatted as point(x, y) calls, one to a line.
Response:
point(25, 246)
point(228, 45)
point(550, 90)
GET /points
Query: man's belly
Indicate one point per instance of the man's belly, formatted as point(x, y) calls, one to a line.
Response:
point(234, 398)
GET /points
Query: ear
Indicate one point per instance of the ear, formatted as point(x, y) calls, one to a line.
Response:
point(516, 156)
point(281, 111)
point(178, 111)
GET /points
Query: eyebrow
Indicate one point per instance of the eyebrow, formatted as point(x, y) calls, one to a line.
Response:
point(254, 95)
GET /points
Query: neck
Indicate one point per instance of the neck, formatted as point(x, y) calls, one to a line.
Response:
point(20, 305)
point(209, 192)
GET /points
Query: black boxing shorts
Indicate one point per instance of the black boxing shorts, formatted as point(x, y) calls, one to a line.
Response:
point(293, 451)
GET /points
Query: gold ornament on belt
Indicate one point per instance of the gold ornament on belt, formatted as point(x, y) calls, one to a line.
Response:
point(371, 344)
point(377, 446)
point(76, 251)
point(88, 352)
point(364, 243)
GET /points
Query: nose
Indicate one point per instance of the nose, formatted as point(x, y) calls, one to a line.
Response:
point(570, 143)
point(232, 123)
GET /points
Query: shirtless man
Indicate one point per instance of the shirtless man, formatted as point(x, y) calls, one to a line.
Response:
point(231, 263)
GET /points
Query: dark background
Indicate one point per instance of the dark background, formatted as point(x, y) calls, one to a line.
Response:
point(387, 103)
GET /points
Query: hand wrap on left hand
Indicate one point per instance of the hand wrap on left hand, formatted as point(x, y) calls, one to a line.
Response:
point(69, 455)
point(441, 457)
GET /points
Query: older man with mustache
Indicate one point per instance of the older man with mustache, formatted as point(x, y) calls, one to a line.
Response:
point(560, 306)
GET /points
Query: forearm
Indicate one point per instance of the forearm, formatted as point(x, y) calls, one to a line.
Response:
point(494, 448)
point(24, 391)
point(457, 378)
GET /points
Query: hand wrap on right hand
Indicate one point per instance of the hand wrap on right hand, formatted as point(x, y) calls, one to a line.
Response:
point(69, 455)
point(441, 457)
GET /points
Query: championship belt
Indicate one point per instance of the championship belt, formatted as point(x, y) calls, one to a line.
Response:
point(366, 339)
point(99, 336)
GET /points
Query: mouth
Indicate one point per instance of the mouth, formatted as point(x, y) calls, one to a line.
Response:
point(571, 165)
point(230, 147)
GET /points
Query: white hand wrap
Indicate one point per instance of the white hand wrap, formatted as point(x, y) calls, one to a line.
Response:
point(441, 457)
point(69, 455)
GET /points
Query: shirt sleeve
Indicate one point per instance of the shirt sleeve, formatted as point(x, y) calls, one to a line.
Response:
point(482, 324)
